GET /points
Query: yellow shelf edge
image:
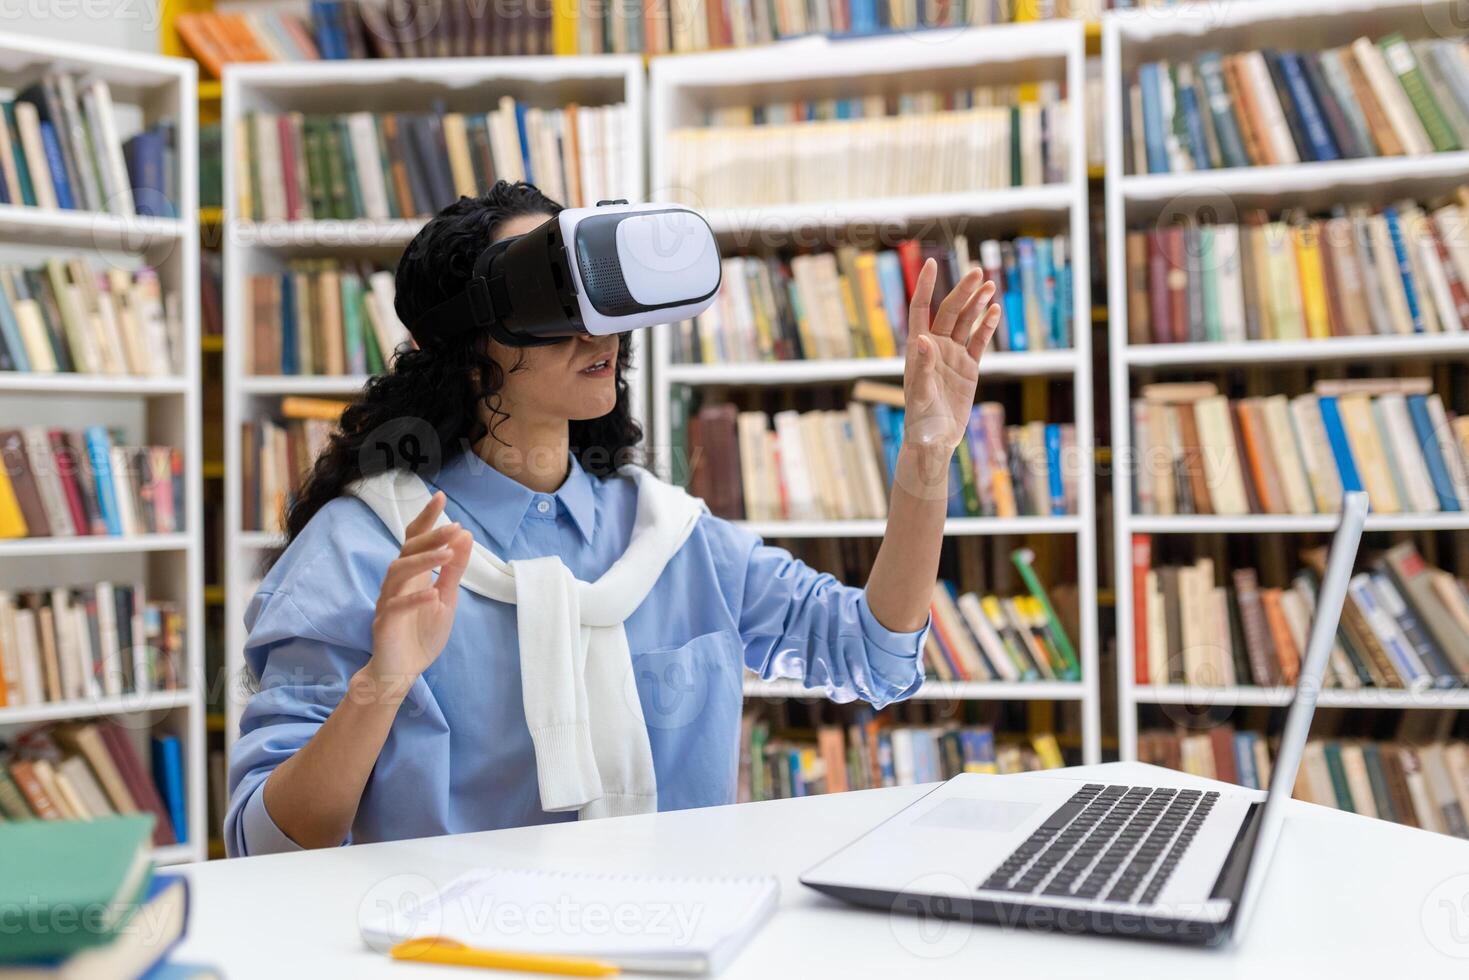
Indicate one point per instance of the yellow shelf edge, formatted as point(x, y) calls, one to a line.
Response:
point(214, 471)
point(212, 344)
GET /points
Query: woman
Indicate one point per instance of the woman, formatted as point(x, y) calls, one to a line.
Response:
point(394, 703)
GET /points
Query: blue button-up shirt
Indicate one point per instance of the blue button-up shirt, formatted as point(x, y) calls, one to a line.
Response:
point(459, 756)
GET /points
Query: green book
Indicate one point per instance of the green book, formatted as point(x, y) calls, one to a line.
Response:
point(252, 153)
point(336, 176)
point(1015, 171)
point(1402, 63)
point(1022, 559)
point(316, 177)
point(966, 480)
point(1209, 265)
point(352, 341)
point(1377, 776)
point(1339, 785)
point(375, 363)
point(61, 872)
point(348, 160)
point(22, 169)
point(395, 209)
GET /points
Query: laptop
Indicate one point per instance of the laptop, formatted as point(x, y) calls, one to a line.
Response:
point(1047, 850)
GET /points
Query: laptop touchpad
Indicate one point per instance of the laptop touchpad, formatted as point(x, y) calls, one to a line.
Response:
point(971, 814)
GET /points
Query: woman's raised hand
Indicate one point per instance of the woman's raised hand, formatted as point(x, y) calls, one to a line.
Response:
point(414, 612)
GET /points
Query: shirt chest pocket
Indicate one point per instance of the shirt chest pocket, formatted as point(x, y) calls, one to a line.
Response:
point(691, 698)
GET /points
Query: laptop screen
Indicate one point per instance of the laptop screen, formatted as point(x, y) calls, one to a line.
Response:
point(1329, 601)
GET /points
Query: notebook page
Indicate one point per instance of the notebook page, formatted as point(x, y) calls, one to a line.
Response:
point(640, 922)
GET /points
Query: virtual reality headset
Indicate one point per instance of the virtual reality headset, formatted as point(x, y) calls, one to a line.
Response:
point(587, 271)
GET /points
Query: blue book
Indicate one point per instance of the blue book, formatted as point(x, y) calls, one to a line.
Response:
point(1014, 305)
point(290, 359)
point(10, 337)
point(1341, 450)
point(1244, 761)
point(1210, 69)
point(1053, 470)
point(1323, 147)
point(1193, 122)
point(57, 165)
point(955, 507)
point(147, 172)
point(883, 416)
point(1045, 275)
point(793, 761)
point(864, 17)
point(1061, 316)
point(1438, 470)
point(894, 294)
point(168, 774)
point(979, 749)
point(885, 758)
point(1153, 135)
point(524, 141)
point(99, 449)
point(1027, 286)
point(1405, 267)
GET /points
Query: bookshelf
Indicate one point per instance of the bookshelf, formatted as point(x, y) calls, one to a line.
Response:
point(681, 89)
point(1135, 200)
point(157, 410)
point(256, 247)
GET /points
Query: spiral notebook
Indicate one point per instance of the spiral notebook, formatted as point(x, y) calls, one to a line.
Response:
point(645, 923)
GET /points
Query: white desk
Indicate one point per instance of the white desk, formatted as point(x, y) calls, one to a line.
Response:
point(1347, 897)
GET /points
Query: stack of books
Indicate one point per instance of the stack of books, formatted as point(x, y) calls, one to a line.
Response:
point(1405, 624)
point(1401, 269)
point(323, 317)
point(1198, 452)
point(88, 642)
point(335, 29)
point(1365, 99)
point(61, 147)
point(993, 638)
point(297, 167)
point(277, 453)
point(854, 302)
point(57, 483)
point(840, 464)
point(872, 752)
point(72, 315)
point(94, 770)
point(1421, 785)
point(108, 915)
point(931, 143)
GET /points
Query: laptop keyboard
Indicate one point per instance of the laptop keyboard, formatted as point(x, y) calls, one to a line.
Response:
point(1110, 843)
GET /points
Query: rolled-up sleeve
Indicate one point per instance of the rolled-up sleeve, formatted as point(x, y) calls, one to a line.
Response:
point(806, 625)
point(302, 680)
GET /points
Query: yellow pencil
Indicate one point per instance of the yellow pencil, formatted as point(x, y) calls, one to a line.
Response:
point(440, 950)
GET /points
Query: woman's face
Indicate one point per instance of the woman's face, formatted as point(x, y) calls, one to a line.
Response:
point(575, 379)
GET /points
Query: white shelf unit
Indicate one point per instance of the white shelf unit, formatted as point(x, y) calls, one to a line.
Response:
point(159, 410)
point(681, 88)
point(1129, 38)
point(250, 247)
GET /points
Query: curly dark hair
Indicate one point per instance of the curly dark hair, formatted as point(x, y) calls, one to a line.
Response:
point(433, 393)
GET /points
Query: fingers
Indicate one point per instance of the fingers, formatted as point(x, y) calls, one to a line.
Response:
point(958, 298)
point(427, 517)
point(430, 540)
point(459, 551)
point(980, 339)
point(918, 306)
point(405, 569)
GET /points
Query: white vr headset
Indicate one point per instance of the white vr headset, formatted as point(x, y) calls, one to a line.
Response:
point(600, 271)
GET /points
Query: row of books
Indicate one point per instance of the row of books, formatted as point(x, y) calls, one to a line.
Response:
point(840, 464)
point(1403, 625)
point(85, 771)
point(1389, 98)
point(867, 754)
point(298, 167)
point(336, 29)
point(59, 483)
point(1198, 452)
point(994, 638)
point(1423, 786)
point(798, 157)
point(323, 317)
point(1394, 271)
point(854, 302)
point(69, 315)
point(86, 643)
point(60, 148)
point(277, 453)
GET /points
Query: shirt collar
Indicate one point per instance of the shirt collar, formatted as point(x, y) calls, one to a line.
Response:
point(500, 503)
